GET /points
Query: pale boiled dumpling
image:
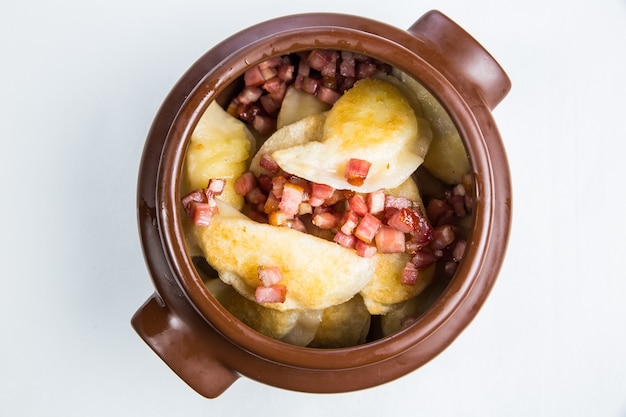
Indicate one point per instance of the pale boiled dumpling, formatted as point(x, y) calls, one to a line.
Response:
point(219, 148)
point(372, 121)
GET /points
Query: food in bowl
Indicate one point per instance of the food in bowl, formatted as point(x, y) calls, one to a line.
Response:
point(328, 202)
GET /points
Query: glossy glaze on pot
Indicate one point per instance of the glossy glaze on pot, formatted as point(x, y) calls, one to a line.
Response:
point(190, 330)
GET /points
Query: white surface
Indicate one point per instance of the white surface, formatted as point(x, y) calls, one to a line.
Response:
point(79, 85)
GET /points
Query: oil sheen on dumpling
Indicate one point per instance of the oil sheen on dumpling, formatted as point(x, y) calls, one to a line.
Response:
point(372, 121)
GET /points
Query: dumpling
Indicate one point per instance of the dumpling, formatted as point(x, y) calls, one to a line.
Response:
point(219, 148)
point(317, 273)
point(372, 121)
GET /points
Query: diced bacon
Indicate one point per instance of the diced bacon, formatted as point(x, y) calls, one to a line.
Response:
point(216, 186)
point(326, 220)
point(397, 202)
point(278, 218)
point(310, 85)
point(202, 213)
point(349, 222)
point(272, 294)
point(253, 77)
point(269, 275)
point(320, 58)
point(304, 69)
point(271, 104)
point(321, 191)
point(263, 124)
point(256, 196)
point(250, 94)
point(278, 184)
point(356, 171)
point(327, 95)
point(265, 182)
point(376, 201)
point(286, 71)
point(267, 162)
point(268, 72)
point(347, 65)
point(245, 183)
point(296, 224)
point(389, 240)
point(358, 205)
point(271, 204)
point(423, 258)
point(458, 250)
point(442, 236)
point(291, 198)
point(365, 69)
point(365, 250)
point(197, 196)
point(405, 220)
point(304, 208)
point(439, 212)
point(347, 241)
point(410, 273)
point(367, 228)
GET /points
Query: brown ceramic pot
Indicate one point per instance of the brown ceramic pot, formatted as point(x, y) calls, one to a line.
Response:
point(199, 339)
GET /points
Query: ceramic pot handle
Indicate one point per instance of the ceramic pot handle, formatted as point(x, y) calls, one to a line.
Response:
point(185, 350)
point(462, 59)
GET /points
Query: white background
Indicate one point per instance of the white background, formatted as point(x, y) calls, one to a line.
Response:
point(79, 85)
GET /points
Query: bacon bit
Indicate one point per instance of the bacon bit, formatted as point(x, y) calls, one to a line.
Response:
point(256, 197)
point(278, 218)
point(269, 163)
point(304, 208)
point(358, 205)
point(389, 240)
point(253, 77)
point(296, 224)
point(404, 220)
point(423, 258)
point(202, 213)
point(347, 241)
point(349, 222)
point(250, 94)
point(376, 201)
point(410, 274)
point(327, 95)
point(458, 250)
point(325, 220)
point(216, 186)
point(310, 85)
point(197, 196)
point(321, 191)
point(265, 182)
point(397, 202)
point(286, 71)
point(291, 198)
point(442, 236)
point(439, 212)
point(269, 275)
point(263, 124)
point(278, 184)
point(272, 294)
point(367, 228)
point(365, 250)
point(271, 204)
point(319, 59)
point(271, 104)
point(356, 171)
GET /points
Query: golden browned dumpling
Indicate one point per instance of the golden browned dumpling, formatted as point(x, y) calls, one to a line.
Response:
point(317, 273)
